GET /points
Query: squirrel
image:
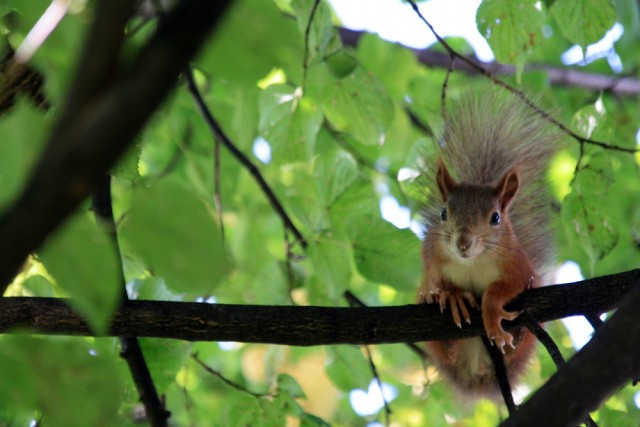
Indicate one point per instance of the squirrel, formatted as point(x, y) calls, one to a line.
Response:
point(487, 231)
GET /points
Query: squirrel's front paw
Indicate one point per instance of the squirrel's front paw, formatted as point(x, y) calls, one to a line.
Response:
point(456, 298)
point(491, 317)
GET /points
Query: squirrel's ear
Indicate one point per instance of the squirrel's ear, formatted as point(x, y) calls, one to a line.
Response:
point(507, 188)
point(445, 181)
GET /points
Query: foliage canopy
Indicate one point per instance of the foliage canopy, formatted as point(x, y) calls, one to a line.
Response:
point(336, 131)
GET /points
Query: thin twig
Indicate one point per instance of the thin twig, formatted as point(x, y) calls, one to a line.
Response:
point(376, 377)
point(217, 131)
point(418, 123)
point(217, 188)
point(501, 374)
point(544, 338)
point(130, 347)
point(551, 347)
point(354, 301)
point(288, 261)
point(307, 31)
point(445, 85)
point(227, 381)
point(594, 320)
point(545, 115)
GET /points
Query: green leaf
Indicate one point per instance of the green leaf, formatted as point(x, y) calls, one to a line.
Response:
point(333, 173)
point(302, 196)
point(359, 105)
point(164, 359)
point(584, 21)
point(289, 385)
point(512, 28)
point(353, 206)
point(586, 212)
point(348, 368)
point(387, 254)
point(60, 377)
point(341, 63)
point(289, 122)
point(127, 166)
point(83, 261)
point(176, 235)
point(310, 420)
point(245, 56)
point(322, 38)
point(393, 64)
point(331, 261)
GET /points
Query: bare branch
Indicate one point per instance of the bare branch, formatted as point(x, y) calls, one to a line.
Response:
point(517, 92)
point(607, 362)
point(307, 326)
point(225, 380)
point(217, 131)
point(557, 76)
point(131, 351)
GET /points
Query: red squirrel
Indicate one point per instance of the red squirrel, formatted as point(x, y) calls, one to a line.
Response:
point(487, 231)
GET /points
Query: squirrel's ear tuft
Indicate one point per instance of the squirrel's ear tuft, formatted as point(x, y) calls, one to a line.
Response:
point(507, 188)
point(445, 181)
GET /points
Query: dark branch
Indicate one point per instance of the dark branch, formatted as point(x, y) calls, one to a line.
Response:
point(220, 135)
point(131, 351)
point(100, 58)
point(544, 337)
point(515, 91)
point(606, 363)
point(501, 373)
point(617, 85)
point(307, 326)
point(82, 152)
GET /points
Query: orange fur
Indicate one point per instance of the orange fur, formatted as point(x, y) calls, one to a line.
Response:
point(474, 249)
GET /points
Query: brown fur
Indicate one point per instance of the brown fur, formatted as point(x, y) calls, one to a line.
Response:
point(495, 241)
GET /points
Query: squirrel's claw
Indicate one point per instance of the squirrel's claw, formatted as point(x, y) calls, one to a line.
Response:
point(504, 338)
point(456, 299)
point(492, 317)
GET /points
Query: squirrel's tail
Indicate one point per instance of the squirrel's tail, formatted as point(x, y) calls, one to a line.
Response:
point(485, 134)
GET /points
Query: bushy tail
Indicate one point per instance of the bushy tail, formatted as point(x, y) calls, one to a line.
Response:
point(485, 134)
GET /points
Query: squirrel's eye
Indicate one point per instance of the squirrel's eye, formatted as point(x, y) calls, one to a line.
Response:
point(495, 218)
point(443, 214)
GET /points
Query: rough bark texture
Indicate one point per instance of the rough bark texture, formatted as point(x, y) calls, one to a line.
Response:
point(306, 326)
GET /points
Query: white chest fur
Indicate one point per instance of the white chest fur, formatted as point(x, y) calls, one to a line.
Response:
point(474, 274)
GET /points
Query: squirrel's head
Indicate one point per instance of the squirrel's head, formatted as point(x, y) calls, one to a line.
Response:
point(475, 218)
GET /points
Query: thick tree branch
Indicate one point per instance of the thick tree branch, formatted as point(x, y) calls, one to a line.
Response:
point(100, 58)
point(76, 158)
point(307, 326)
point(558, 76)
point(606, 363)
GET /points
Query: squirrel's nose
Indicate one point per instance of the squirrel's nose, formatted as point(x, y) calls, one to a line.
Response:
point(464, 242)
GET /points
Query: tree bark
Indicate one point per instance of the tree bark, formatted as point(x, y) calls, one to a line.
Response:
point(560, 76)
point(308, 326)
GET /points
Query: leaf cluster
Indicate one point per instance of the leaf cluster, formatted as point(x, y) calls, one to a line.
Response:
point(338, 134)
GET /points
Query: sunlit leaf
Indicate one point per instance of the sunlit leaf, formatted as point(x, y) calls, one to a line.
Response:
point(83, 261)
point(512, 28)
point(359, 105)
point(584, 21)
point(176, 235)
